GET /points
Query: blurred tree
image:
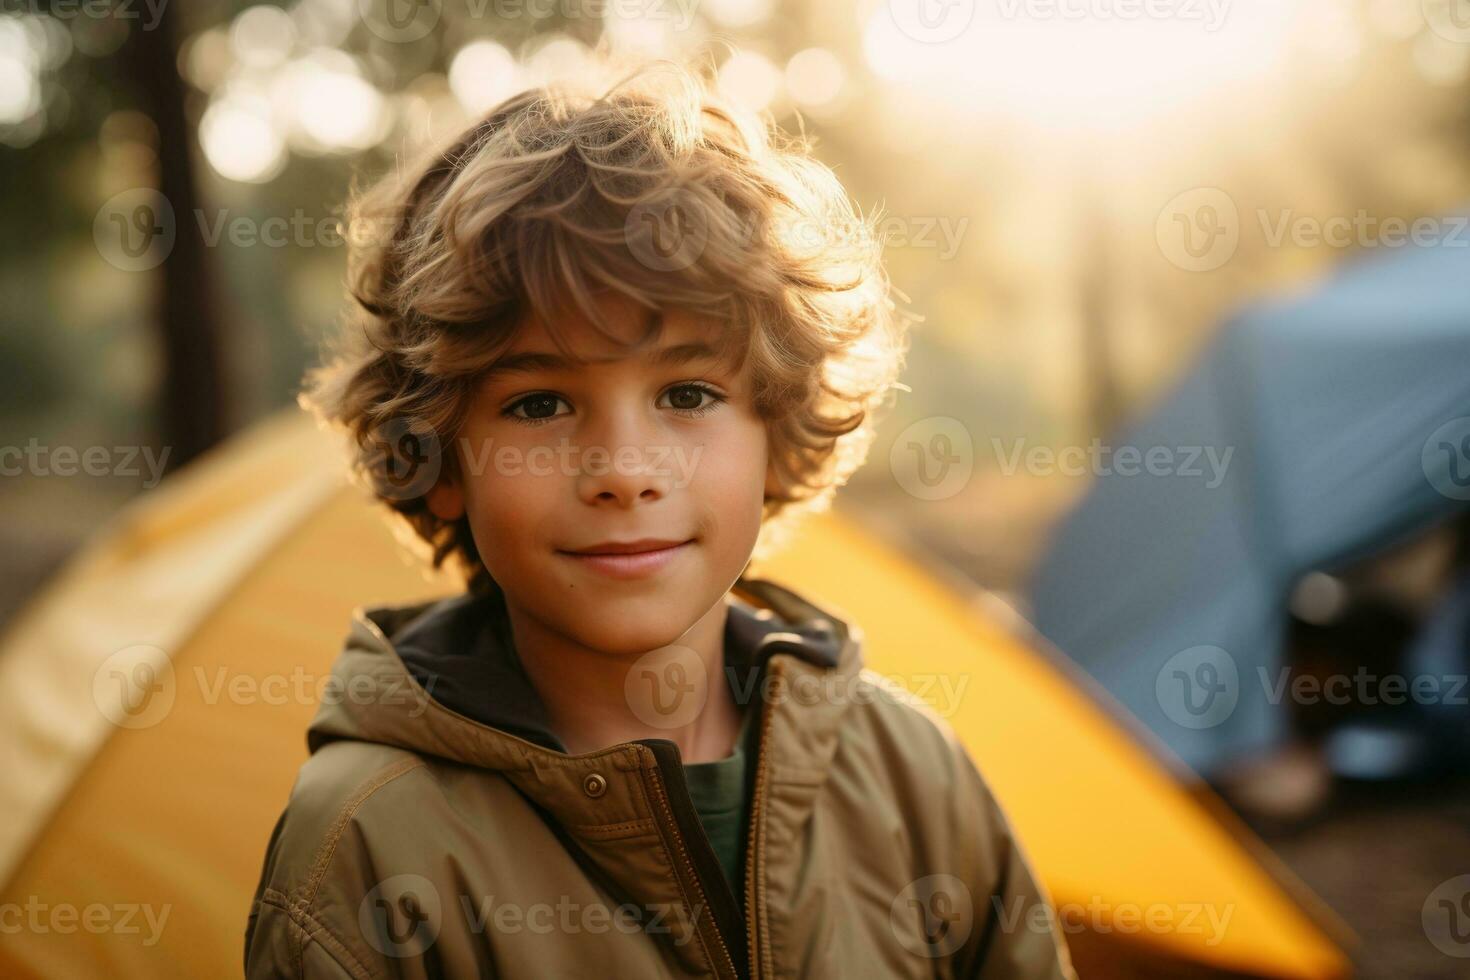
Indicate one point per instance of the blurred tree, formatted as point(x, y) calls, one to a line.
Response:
point(191, 404)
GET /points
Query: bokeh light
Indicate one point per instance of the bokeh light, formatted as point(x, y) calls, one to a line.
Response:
point(239, 139)
point(815, 77)
point(481, 75)
point(749, 79)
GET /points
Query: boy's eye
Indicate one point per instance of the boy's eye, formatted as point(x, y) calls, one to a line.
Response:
point(538, 408)
point(689, 399)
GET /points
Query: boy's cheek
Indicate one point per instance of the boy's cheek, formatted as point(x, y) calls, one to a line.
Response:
point(739, 470)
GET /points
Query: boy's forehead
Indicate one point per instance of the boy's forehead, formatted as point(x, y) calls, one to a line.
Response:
point(624, 326)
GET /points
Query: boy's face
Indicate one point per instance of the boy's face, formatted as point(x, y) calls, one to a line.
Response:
point(557, 460)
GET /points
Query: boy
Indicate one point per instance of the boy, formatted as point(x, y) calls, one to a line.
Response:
point(600, 362)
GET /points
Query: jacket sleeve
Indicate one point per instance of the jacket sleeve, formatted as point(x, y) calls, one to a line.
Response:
point(289, 936)
point(1014, 931)
point(277, 945)
point(277, 948)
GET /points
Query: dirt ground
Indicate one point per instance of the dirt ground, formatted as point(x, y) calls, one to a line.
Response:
point(1375, 857)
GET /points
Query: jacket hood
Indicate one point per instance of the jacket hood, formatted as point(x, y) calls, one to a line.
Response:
point(443, 677)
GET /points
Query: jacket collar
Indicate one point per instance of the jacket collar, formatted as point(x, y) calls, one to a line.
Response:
point(454, 665)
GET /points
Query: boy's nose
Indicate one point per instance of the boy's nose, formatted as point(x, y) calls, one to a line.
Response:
point(624, 477)
point(624, 463)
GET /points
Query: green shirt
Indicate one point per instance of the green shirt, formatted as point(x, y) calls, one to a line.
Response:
point(718, 792)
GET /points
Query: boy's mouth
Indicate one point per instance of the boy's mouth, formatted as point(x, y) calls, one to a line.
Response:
point(641, 546)
point(629, 559)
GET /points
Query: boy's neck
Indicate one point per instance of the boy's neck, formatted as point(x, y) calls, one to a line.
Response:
point(585, 690)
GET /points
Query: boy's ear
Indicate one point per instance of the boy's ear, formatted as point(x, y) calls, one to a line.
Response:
point(773, 482)
point(446, 500)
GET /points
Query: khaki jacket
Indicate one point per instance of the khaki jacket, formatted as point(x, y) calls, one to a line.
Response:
point(420, 843)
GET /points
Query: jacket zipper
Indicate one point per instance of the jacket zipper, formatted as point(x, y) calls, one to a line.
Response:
point(755, 846)
point(685, 828)
point(719, 902)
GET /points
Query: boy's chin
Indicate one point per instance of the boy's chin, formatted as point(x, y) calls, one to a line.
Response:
point(632, 626)
point(634, 643)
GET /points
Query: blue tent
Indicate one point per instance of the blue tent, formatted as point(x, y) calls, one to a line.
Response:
point(1342, 418)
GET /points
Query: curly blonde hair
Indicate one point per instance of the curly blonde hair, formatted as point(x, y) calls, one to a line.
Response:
point(560, 195)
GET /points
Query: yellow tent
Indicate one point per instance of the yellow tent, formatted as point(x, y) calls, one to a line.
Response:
point(153, 701)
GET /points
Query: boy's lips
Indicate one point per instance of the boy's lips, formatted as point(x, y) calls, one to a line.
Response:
point(628, 547)
point(629, 559)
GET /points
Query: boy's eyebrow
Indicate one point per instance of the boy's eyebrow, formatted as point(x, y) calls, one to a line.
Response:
point(527, 362)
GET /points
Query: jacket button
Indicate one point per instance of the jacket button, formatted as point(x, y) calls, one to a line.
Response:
point(594, 784)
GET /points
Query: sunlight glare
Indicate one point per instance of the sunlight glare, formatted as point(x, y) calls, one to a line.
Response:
point(1069, 63)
